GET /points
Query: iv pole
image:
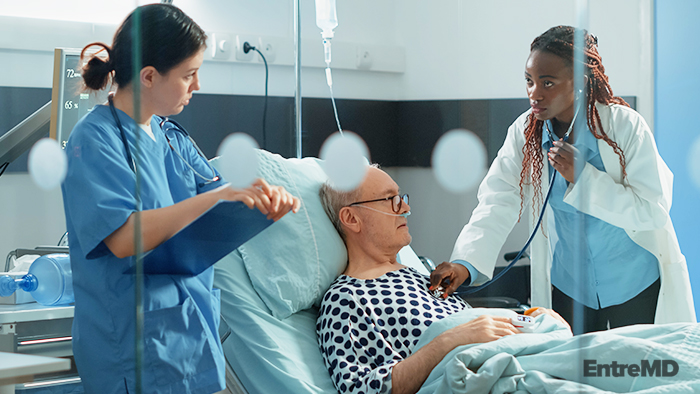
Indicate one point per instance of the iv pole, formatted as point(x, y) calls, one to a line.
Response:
point(297, 73)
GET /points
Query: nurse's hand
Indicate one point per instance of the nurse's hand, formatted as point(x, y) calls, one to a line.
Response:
point(561, 157)
point(273, 201)
point(281, 201)
point(449, 276)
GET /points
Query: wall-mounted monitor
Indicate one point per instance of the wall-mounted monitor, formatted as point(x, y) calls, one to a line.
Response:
point(70, 101)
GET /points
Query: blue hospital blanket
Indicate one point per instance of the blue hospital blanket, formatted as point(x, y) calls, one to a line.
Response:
point(551, 360)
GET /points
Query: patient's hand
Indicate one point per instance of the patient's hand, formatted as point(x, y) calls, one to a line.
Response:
point(449, 276)
point(485, 328)
point(539, 311)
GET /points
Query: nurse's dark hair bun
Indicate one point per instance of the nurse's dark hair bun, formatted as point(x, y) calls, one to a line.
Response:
point(96, 72)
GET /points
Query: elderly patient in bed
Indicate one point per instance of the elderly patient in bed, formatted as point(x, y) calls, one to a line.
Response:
point(374, 313)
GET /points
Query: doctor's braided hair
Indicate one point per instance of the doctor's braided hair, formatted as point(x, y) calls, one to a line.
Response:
point(559, 41)
point(166, 38)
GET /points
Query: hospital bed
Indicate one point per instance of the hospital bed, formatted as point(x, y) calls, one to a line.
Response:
point(267, 355)
point(271, 286)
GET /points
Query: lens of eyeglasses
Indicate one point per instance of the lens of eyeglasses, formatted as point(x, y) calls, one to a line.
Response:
point(397, 202)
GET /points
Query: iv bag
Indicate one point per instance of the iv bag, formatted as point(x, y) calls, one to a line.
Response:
point(326, 17)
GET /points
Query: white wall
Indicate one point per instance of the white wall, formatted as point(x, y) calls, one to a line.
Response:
point(454, 49)
point(30, 216)
point(477, 49)
point(30, 42)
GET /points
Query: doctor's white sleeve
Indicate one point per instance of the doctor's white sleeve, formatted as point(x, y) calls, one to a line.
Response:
point(482, 238)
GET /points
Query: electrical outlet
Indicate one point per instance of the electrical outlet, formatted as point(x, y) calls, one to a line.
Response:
point(211, 46)
point(221, 48)
point(240, 54)
point(268, 46)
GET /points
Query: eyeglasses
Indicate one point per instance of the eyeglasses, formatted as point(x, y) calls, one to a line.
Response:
point(396, 202)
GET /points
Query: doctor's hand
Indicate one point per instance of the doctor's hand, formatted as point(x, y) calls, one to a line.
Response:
point(561, 156)
point(449, 276)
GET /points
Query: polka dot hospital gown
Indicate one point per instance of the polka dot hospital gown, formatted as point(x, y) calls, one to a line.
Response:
point(366, 326)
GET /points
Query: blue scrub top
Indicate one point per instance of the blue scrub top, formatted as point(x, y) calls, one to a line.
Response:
point(182, 352)
point(183, 182)
point(610, 268)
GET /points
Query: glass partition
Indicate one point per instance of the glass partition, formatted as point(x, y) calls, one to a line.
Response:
point(441, 95)
point(463, 64)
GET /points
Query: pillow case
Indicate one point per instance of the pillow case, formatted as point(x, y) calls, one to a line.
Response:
point(268, 355)
point(292, 263)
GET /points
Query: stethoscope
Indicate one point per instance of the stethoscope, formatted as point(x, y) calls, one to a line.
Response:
point(176, 126)
point(539, 220)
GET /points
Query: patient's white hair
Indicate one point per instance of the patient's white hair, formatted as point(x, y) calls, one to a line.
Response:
point(334, 200)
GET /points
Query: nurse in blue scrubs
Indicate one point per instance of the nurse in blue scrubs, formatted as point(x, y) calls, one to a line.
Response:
point(182, 353)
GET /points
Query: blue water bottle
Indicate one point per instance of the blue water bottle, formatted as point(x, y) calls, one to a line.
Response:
point(49, 280)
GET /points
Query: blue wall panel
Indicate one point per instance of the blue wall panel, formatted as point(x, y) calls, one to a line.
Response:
point(676, 126)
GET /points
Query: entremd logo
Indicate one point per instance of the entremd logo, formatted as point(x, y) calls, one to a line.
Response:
point(591, 368)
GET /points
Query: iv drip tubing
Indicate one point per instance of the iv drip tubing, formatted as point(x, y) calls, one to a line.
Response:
point(335, 110)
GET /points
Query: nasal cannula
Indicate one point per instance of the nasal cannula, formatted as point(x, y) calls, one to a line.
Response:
point(405, 214)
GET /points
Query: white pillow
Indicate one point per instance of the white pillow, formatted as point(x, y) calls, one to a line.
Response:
point(292, 263)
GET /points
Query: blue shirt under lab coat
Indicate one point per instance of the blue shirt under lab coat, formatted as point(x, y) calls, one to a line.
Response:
point(182, 352)
point(594, 262)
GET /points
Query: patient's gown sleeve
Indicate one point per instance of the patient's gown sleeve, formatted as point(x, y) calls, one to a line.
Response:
point(357, 355)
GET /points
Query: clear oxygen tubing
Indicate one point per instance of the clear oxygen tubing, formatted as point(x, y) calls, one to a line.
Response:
point(537, 226)
point(405, 215)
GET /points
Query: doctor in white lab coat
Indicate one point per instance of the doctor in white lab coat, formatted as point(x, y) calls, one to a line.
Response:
point(607, 246)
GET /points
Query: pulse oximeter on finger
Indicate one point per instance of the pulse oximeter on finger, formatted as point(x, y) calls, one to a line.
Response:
point(523, 323)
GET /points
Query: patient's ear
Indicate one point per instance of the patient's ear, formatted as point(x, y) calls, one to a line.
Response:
point(349, 220)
